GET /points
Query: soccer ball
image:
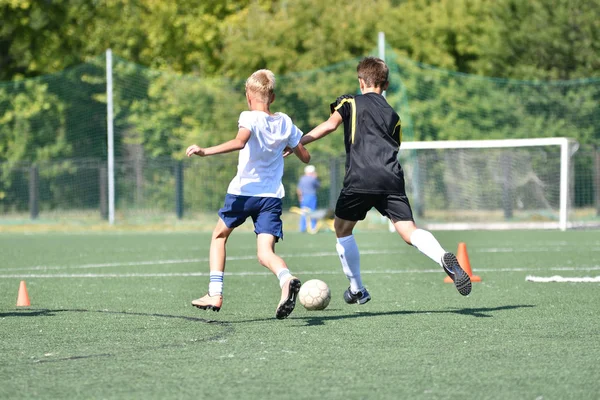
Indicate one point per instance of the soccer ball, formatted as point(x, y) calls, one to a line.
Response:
point(314, 295)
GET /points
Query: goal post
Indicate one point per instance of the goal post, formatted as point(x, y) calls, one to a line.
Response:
point(490, 184)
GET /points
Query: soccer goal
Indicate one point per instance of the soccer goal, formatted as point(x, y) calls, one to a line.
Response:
point(490, 184)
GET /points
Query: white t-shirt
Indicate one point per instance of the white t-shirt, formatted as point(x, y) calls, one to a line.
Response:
point(260, 162)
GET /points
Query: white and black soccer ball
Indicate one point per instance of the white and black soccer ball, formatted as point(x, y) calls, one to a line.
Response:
point(314, 295)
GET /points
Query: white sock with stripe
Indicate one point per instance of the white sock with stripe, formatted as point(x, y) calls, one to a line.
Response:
point(283, 276)
point(215, 286)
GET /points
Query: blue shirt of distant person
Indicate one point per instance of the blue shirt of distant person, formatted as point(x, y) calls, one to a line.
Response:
point(308, 185)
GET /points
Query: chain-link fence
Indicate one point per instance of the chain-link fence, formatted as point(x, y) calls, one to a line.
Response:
point(53, 140)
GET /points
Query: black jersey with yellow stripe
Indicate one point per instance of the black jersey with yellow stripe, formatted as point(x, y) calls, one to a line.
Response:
point(372, 136)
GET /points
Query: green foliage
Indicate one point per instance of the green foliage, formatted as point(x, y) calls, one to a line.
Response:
point(39, 37)
point(179, 110)
point(299, 35)
point(452, 106)
point(448, 34)
point(180, 66)
point(31, 124)
point(537, 39)
point(543, 39)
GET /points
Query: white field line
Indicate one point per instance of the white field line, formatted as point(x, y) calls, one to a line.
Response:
point(332, 271)
point(253, 257)
point(554, 249)
point(558, 278)
point(181, 261)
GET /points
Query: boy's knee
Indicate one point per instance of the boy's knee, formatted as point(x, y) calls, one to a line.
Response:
point(263, 256)
point(405, 229)
point(220, 235)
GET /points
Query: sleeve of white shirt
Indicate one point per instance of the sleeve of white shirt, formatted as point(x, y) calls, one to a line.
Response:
point(246, 120)
point(295, 136)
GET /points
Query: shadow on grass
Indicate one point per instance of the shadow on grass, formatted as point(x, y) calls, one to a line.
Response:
point(225, 325)
point(225, 329)
point(27, 312)
point(482, 312)
point(34, 312)
point(319, 318)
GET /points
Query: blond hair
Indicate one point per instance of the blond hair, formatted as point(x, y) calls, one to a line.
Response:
point(262, 84)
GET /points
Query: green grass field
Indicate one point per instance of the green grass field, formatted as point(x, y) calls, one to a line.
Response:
point(110, 318)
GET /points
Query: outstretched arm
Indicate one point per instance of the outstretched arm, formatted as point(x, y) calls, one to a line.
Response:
point(323, 129)
point(238, 143)
point(301, 152)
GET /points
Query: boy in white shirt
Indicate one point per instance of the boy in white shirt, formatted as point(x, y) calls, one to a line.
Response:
point(256, 190)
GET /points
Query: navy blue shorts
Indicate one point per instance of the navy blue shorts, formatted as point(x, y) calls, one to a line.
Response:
point(265, 213)
point(354, 206)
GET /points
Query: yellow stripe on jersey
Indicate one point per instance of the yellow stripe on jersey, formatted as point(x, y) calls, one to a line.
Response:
point(399, 126)
point(353, 105)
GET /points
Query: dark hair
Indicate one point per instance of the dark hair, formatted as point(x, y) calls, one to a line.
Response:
point(373, 71)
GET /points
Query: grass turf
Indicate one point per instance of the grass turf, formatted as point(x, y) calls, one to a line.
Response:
point(110, 317)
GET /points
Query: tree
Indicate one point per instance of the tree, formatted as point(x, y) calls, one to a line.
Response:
point(40, 37)
point(543, 39)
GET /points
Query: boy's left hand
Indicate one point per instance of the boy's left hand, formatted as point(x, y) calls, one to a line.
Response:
point(195, 149)
point(287, 151)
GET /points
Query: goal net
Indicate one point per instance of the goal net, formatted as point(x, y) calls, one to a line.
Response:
point(490, 184)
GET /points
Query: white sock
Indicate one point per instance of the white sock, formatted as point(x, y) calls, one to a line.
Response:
point(428, 245)
point(215, 286)
point(350, 257)
point(283, 276)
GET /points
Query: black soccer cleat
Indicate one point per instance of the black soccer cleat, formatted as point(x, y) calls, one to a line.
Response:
point(361, 297)
point(461, 279)
point(289, 294)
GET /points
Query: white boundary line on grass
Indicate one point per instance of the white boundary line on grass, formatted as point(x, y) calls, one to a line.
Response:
point(19, 270)
point(253, 257)
point(333, 271)
point(558, 278)
point(181, 261)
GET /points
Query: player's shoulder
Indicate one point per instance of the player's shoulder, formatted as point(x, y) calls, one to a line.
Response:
point(282, 115)
point(341, 101)
point(345, 98)
point(248, 115)
point(250, 119)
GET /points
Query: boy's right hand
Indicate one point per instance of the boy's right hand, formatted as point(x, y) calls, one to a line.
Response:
point(195, 149)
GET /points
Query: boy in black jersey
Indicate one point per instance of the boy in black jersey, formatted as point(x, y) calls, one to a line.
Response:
point(374, 177)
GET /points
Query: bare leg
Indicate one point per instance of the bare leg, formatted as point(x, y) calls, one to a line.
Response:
point(405, 229)
point(343, 227)
point(265, 244)
point(217, 246)
point(290, 285)
point(214, 299)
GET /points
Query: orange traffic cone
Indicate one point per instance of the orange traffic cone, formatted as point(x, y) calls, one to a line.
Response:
point(463, 260)
point(23, 297)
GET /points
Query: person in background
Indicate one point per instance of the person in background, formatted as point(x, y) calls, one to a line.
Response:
point(308, 185)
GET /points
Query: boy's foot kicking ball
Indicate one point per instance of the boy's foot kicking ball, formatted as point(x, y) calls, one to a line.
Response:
point(361, 297)
point(459, 276)
point(289, 294)
point(209, 302)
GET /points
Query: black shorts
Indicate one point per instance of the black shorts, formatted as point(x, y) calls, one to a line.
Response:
point(354, 206)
